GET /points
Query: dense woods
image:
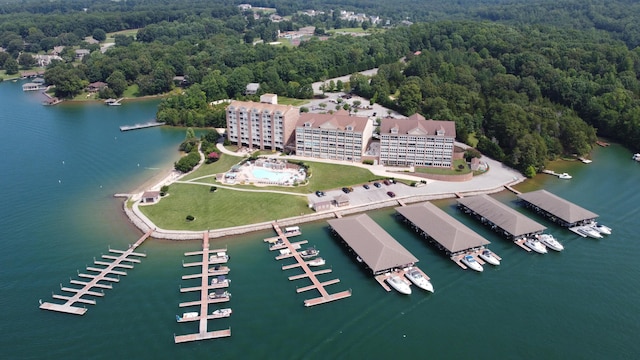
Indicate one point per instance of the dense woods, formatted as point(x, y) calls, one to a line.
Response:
point(537, 81)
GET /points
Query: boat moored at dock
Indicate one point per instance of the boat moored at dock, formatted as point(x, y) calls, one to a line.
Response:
point(220, 313)
point(472, 263)
point(535, 245)
point(589, 231)
point(601, 228)
point(309, 253)
point(399, 285)
point(636, 157)
point(316, 262)
point(219, 257)
point(488, 256)
point(549, 241)
point(418, 279)
point(219, 294)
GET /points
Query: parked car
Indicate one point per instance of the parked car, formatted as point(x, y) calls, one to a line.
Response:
point(366, 186)
point(377, 184)
point(345, 190)
point(387, 182)
point(320, 193)
point(391, 194)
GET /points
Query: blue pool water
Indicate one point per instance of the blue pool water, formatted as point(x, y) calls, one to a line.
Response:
point(262, 173)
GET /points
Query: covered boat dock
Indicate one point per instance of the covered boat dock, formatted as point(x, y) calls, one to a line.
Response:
point(373, 246)
point(447, 233)
point(557, 209)
point(501, 218)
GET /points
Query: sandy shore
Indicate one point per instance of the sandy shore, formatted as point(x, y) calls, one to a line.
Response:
point(157, 181)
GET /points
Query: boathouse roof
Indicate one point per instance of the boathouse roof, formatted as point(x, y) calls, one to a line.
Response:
point(372, 243)
point(501, 215)
point(557, 206)
point(453, 235)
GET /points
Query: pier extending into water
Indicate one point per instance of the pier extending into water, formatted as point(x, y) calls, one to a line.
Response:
point(308, 273)
point(141, 126)
point(205, 286)
point(118, 262)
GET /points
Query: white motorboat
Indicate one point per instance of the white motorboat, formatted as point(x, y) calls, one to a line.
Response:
point(636, 157)
point(536, 246)
point(419, 280)
point(488, 256)
point(589, 232)
point(549, 241)
point(309, 253)
point(397, 283)
point(316, 262)
point(601, 228)
point(226, 312)
point(187, 315)
point(219, 294)
point(219, 257)
point(472, 263)
point(564, 176)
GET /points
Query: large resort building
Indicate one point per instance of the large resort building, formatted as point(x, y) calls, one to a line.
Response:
point(336, 136)
point(261, 125)
point(416, 141)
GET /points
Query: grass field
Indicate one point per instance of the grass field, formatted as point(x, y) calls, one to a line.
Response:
point(282, 100)
point(220, 209)
point(131, 92)
point(225, 207)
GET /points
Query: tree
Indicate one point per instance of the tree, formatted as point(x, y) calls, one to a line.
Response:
point(117, 82)
point(100, 35)
point(11, 66)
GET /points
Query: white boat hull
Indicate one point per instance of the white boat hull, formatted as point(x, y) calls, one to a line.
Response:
point(490, 259)
point(399, 285)
point(473, 265)
point(536, 246)
point(550, 242)
point(420, 281)
point(590, 232)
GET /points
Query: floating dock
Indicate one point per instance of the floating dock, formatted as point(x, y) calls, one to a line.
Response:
point(141, 126)
point(374, 247)
point(501, 218)
point(557, 209)
point(205, 286)
point(444, 231)
point(284, 243)
point(118, 262)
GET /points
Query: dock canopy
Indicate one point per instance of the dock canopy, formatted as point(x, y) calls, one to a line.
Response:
point(433, 222)
point(556, 208)
point(488, 209)
point(379, 251)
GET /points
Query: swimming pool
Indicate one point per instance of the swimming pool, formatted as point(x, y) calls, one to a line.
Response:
point(262, 173)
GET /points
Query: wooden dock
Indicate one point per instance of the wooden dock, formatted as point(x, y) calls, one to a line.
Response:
point(308, 273)
point(68, 307)
point(141, 126)
point(205, 286)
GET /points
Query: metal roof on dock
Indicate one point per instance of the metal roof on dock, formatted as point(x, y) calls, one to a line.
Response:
point(453, 235)
point(557, 206)
point(379, 250)
point(501, 215)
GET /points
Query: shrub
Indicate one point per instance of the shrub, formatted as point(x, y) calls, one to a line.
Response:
point(213, 189)
point(190, 218)
point(164, 189)
point(367, 162)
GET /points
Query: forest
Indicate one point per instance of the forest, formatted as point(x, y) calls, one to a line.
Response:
point(528, 86)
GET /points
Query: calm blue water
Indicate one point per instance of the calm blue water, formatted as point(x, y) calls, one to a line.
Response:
point(61, 165)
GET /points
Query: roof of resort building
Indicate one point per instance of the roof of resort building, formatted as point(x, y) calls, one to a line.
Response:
point(375, 246)
point(340, 120)
point(561, 208)
point(441, 227)
point(417, 125)
point(501, 215)
point(251, 105)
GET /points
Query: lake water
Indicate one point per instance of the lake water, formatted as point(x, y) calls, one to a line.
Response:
point(62, 164)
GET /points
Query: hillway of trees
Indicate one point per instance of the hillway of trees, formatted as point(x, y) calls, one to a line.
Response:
point(529, 86)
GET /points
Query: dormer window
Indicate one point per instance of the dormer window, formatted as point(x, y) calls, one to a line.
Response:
point(440, 132)
point(307, 124)
point(394, 130)
point(349, 128)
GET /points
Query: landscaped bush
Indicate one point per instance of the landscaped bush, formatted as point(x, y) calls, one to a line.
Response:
point(213, 189)
point(367, 162)
point(190, 218)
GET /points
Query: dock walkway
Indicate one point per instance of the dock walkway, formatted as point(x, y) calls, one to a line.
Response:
point(68, 307)
point(204, 301)
point(308, 273)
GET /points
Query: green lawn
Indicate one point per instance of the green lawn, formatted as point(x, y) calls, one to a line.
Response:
point(131, 92)
point(111, 37)
point(220, 209)
point(222, 165)
point(282, 100)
